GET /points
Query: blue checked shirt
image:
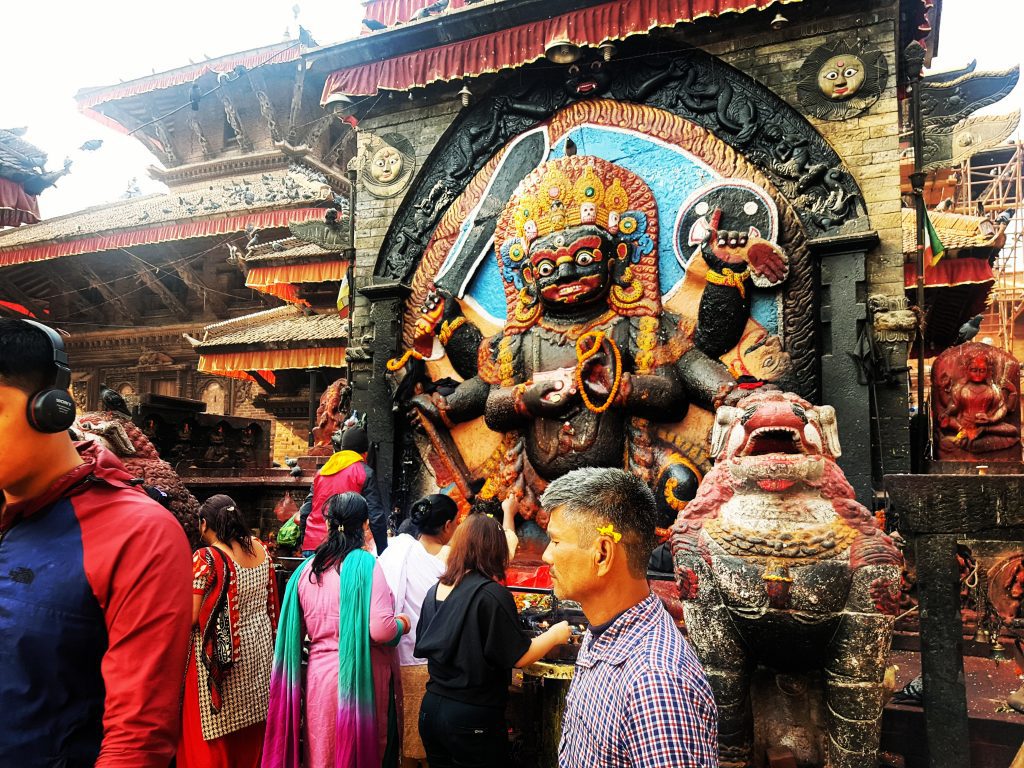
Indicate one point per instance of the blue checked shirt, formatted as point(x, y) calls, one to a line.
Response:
point(639, 698)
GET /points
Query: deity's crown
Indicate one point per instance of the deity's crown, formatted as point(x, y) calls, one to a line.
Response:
point(563, 194)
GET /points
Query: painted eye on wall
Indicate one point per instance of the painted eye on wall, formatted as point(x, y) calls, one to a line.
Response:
point(545, 269)
point(831, 75)
point(850, 72)
point(584, 258)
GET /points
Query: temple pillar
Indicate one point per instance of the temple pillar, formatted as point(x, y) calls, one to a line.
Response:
point(367, 363)
point(842, 312)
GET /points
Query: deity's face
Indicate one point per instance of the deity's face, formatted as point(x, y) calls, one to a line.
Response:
point(386, 165)
point(841, 77)
point(571, 268)
point(977, 371)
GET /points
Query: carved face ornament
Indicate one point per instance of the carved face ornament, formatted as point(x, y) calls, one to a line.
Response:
point(386, 165)
point(387, 169)
point(841, 77)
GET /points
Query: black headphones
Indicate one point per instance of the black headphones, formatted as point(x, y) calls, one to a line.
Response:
point(51, 409)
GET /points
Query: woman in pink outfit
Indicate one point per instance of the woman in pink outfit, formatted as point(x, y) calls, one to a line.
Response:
point(318, 593)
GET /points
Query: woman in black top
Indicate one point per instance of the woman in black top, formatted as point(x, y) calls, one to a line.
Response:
point(470, 635)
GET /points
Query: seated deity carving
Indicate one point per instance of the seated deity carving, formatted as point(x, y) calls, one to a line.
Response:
point(976, 403)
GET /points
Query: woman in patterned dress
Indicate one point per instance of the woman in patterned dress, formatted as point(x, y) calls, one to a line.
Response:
point(235, 615)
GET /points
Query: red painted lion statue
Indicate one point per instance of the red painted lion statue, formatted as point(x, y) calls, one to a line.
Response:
point(140, 458)
point(780, 566)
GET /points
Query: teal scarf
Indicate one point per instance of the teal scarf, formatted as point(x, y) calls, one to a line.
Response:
point(355, 735)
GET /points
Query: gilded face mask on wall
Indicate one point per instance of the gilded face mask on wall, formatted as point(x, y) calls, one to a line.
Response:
point(841, 77)
point(388, 163)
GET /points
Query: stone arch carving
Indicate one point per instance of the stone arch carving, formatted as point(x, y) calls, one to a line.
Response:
point(746, 116)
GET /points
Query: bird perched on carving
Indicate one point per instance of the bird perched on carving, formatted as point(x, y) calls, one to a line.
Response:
point(112, 401)
point(194, 95)
point(969, 330)
point(91, 145)
point(372, 25)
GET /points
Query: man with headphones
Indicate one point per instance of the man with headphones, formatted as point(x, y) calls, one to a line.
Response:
point(95, 583)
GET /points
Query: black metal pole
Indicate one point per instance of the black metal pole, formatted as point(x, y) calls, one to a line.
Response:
point(312, 403)
point(919, 423)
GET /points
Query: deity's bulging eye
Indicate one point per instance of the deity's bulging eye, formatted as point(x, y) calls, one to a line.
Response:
point(850, 72)
point(831, 75)
point(546, 268)
point(574, 70)
point(584, 258)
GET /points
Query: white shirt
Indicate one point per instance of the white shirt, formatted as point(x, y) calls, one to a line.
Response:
point(410, 571)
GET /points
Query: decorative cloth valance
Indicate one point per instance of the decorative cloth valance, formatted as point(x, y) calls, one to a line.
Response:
point(264, 361)
point(179, 230)
point(950, 272)
point(520, 45)
point(283, 280)
point(16, 206)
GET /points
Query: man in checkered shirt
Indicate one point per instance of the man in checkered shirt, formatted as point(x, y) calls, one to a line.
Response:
point(639, 697)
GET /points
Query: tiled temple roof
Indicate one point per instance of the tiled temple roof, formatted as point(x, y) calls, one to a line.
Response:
point(956, 231)
point(281, 328)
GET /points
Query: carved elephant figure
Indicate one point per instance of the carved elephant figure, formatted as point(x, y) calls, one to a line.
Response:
point(778, 565)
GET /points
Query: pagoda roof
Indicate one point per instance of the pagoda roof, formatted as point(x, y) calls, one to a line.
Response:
point(278, 53)
point(956, 231)
point(282, 328)
point(200, 209)
point(285, 338)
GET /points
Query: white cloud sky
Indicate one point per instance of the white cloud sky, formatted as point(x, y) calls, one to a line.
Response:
point(52, 48)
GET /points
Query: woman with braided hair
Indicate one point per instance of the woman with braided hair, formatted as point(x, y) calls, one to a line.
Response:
point(351, 690)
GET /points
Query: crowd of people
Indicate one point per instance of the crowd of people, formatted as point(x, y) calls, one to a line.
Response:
point(382, 651)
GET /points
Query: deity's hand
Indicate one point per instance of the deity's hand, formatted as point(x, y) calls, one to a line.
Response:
point(768, 264)
point(427, 406)
point(548, 398)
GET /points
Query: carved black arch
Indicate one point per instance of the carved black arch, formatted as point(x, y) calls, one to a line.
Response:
point(756, 122)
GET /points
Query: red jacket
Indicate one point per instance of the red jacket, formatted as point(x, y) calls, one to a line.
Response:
point(344, 471)
point(95, 615)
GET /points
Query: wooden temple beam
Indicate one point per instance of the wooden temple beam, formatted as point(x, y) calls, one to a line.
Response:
point(295, 114)
point(165, 295)
point(83, 307)
point(231, 113)
point(112, 297)
point(210, 297)
point(10, 289)
point(259, 86)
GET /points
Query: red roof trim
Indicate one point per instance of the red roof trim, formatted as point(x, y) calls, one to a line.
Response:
point(520, 45)
point(185, 230)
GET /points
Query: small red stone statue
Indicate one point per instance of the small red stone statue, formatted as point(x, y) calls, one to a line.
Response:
point(976, 404)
